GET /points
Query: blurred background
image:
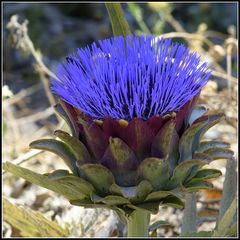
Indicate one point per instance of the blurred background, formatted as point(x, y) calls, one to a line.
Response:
point(55, 30)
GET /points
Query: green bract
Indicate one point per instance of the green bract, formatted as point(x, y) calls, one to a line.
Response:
point(133, 165)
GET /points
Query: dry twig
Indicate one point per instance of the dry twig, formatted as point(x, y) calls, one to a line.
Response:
point(21, 40)
point(35, 117)
point(22, 94)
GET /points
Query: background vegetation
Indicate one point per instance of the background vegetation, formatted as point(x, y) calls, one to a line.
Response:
point(31, 51)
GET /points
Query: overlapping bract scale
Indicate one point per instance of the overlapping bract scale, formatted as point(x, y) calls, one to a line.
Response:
point(137, 164)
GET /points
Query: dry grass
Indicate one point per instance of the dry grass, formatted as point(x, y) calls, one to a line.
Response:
point(22, 128)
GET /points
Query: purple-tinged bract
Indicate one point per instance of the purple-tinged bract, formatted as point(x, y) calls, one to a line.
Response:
point(140, 77)
point(152, 158)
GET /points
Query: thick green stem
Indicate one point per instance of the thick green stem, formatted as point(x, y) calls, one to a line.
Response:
point(138, 224)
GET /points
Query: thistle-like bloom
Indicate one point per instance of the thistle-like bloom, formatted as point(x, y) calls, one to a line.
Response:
point(143, 78)
point(135, 129)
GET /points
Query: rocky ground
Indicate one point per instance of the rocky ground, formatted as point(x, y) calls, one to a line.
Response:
point(25, 120)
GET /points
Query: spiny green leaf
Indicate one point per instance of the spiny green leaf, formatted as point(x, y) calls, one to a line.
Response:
point(219, 153)
point(187, 139)
point(196, 184)
point(202, 157)
point(205, 145)
point(197, 112)
point(157, 196)
point(207, 174)
point(76, 184)
point(211, 120)
point(70, 191)
point(172, 201)
point(78, 148)
point(59, 148)
point(182, 171)
point(72, 115)
point(60, 110)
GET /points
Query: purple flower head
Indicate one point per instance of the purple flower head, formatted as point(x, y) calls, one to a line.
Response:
point(140, 77)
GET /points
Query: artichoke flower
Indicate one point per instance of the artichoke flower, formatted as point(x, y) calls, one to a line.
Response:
point(135, 140)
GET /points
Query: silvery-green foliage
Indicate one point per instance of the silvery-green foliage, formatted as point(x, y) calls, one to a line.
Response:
point(227, 219)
